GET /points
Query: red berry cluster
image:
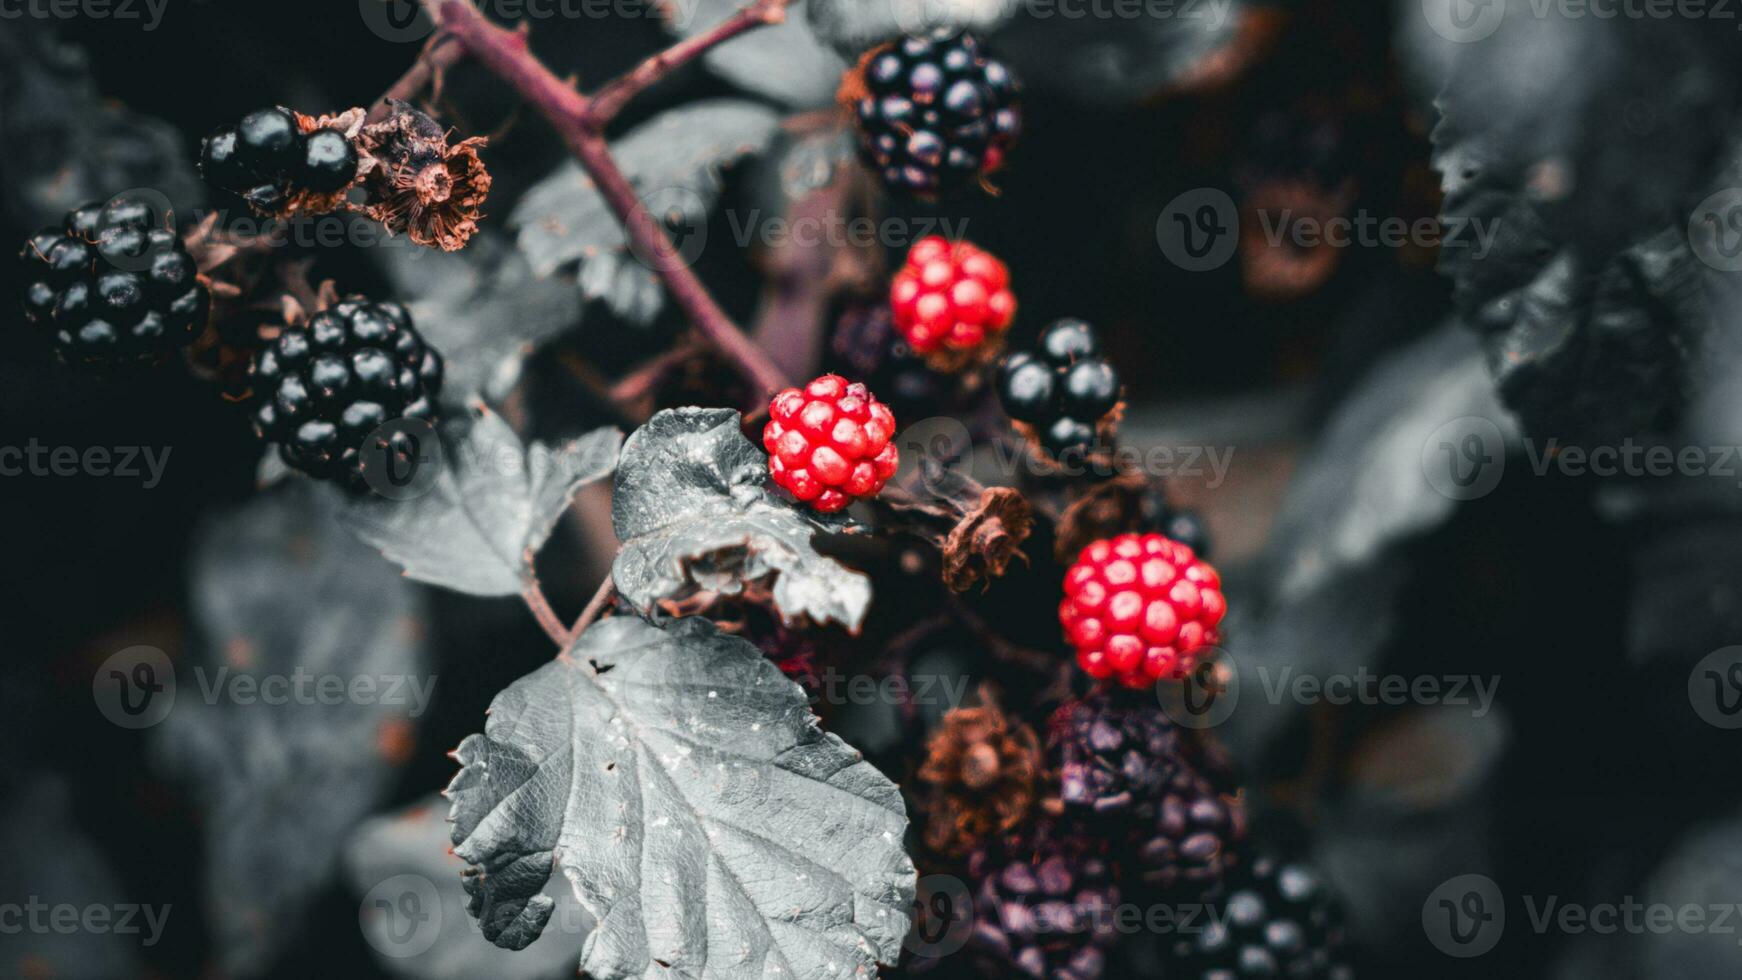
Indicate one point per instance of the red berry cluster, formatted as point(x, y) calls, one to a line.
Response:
point(951, 297)
point(828, 443)
point(1141, 608)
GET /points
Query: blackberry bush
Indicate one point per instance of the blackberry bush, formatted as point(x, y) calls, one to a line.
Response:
point(937, 113)
point(323, 388)
point(113, 285)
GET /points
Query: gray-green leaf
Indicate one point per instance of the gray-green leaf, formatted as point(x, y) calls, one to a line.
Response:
point(693, 511)
point(491, 507)
point(680, 782)
point(784, 62)
point(676, 161)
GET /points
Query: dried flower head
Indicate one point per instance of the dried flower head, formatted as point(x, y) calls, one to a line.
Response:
point(421, 184)
point(984, 775)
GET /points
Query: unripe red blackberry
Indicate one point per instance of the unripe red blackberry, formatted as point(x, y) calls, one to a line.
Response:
point(324, 388)
point(936, 113)
point(829, 443)
point(114, 285)
point(951, 299)
point(1140, 608)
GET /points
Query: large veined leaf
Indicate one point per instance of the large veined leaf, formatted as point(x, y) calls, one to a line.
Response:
point(681, 783)
point(676, 162)
point(47, 855)
point(784, 62)
point(484, 308)
point(694, 512)
point(490, 508)
point(280, 592)
point(1578, 274)
point(414, 912)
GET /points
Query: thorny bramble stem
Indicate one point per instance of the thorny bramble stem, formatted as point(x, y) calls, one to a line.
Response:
point(579, 123)
point(546, 616)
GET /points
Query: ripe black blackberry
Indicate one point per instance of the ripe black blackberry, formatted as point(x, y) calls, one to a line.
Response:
point(1129, 776)
point(1063, 390)
point(267, 158)
point(114, 284)
point(323, 388)
point(1276, 920)
point(1045, 907)
point(936, 113)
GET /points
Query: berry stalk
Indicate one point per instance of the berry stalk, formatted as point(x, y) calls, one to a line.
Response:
point(506, 55)
point(610, 100)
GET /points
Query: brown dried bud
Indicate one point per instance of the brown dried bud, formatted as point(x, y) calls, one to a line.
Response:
point(1110, 508)
point(419, 183)
point(984, 774)
point(982, 544)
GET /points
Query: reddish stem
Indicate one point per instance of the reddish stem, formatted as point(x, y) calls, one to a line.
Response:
point(546, 616)
point(505, 54)
point(437, 56)
point(600, 600)
point(611, 99)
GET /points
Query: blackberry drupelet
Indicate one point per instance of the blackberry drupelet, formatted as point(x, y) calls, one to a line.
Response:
point(114, 284)
point(936, 114)
point(267, 159)
point(1062, 389)
point(1044, 907)
point(324, 388)
point(1277, 920)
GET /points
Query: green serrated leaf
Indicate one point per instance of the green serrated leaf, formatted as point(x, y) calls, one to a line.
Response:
point(490, 508)
point(680, 782)
point(693, 511)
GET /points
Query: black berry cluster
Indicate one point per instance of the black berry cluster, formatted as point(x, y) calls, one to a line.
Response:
point(936, 113)
point(267, 158)
point(1062, 389)
point(1277, 920)
point(1044, 907)
point(1129, 776)
point(324, 388)
point(114, 284)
